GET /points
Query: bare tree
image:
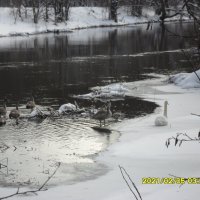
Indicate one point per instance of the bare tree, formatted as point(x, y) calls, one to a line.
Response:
point(67, 4)
point(25, 5)
point(113, 10)
point(46, 4)
point(36, 6)
point(193, 9)
point(16, 9)
point(165, 11)
point(136, 7)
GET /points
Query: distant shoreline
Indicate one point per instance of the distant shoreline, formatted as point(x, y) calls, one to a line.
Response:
point(84, 20)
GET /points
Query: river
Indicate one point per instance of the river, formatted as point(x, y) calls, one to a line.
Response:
point(53, 67)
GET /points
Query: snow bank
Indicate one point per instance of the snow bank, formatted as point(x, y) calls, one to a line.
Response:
point(8, 26)
point(187, 80)
point(79, 17)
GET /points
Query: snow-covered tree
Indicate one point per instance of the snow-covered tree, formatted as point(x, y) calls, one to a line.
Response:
point(136, 7)
point(36, 6)
point(113, 9)
point(168, 8)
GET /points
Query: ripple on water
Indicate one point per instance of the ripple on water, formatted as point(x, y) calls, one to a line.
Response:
point(35, 148)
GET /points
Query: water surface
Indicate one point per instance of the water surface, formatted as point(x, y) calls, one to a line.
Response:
point(54, 67)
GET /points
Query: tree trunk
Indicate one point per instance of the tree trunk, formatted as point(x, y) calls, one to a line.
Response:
point(136, 8)
point(46, 11)
point(67, 6)
point(113, 10)
point(36, 10)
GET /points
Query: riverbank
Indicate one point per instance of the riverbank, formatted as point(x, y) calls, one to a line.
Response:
point(79, 18)
point(141, 149)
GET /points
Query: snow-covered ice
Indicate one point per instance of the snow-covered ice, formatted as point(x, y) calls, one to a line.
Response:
point(187, 80)
point(142, 152)
point(116, 90)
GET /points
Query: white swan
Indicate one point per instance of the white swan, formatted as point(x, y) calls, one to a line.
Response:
point(162, 120)
point(67, 108)
point(34, 113)
point(37, 113)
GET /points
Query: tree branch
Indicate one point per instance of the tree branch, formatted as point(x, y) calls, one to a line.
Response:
point(195, 114)
point(33, 191)
point(180, 138)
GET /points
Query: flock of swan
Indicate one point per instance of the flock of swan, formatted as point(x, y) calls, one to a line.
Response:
point(101, 115)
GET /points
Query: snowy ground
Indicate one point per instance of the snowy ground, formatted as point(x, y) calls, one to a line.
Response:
point(142, 152)
point(80, 17)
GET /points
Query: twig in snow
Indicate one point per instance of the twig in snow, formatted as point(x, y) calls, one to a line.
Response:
point(137, 193)
point(3, 147)
point(195, 114)
point(49, 178)
point(180, 138)
point(41, 188)
point(190, 180)
point(186, 179)
point(15, 148)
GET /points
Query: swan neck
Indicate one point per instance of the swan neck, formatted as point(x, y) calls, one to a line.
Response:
point(5, 102)
point(165, 110)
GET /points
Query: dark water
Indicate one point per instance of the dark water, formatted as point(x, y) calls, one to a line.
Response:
point(54, 67)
